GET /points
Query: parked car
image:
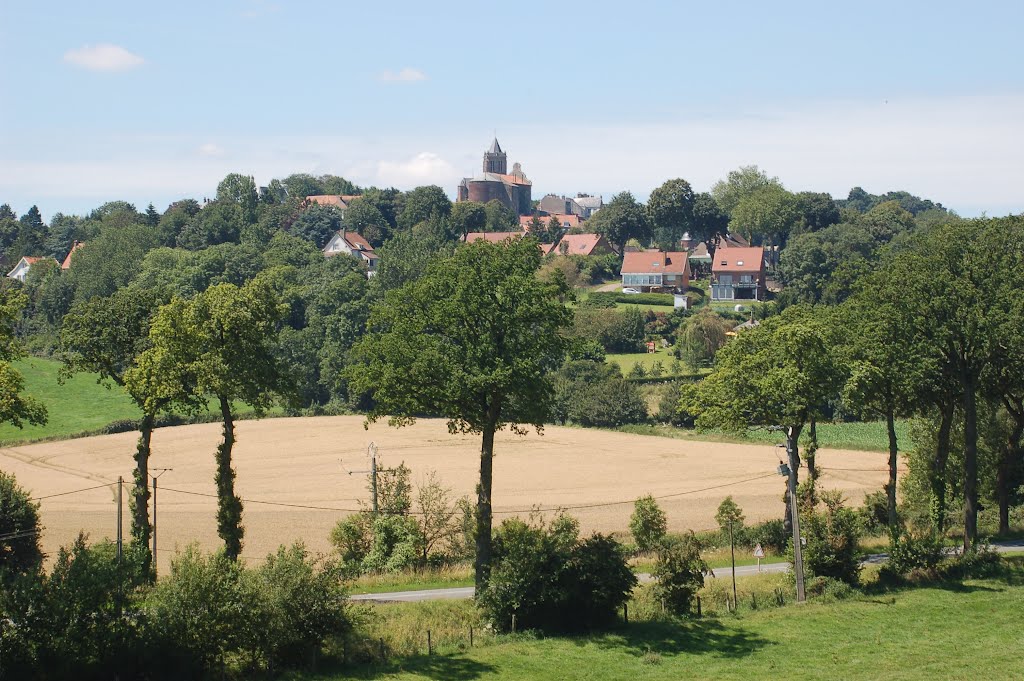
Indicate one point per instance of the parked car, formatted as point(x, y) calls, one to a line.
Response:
point(631, 290)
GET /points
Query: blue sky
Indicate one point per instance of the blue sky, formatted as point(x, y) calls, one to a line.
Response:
point(156, 101)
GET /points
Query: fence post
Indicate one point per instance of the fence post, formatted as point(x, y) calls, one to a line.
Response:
point(383, 658)
point(471, 636)
point(513, 623)
point(698, 606)
point(430, 647)
point(625, 612)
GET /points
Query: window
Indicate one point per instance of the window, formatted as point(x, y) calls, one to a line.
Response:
point(739, 262)
point(725, 279)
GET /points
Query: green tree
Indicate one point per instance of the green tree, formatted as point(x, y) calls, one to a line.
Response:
point(472, 341)
point(175, 219)
point(622, 219)
point(8, 227)
point(422, 204)
point(648, 523)
point(766, 214)
point(739, 184)
point(240, 189)
point(729, 514)
point(679, 573)
point(702, 336)
point(364, 217)
point(817, 211)
point(709, 222)
point(15, 408)
point(671, 209)
point(468, 216)
point(317, 224)
point(20, 552)
point(500, 218)
point(106, 336)
point(218, 344)
point(111, 260)
point(780, 373)
point(218, 223)
point(31, 234)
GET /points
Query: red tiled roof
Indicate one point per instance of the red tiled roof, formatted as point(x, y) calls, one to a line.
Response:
point(736, 259)
point(578, 244)
point(336, 200)
point(563, 218)
point(67, 259)
point(357, 242)
point(655, 262)
point(493, 237)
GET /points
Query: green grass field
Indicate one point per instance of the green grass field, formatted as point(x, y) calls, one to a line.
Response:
point(647, 359)
point(77, 406)
point(947, 631)
point(868, 436)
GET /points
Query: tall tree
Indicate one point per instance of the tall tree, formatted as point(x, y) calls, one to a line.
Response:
point(671, 209)
point(364, 217)
point(15, 408)
point(240, 189)
point(423, 203)
point(739, 184)
point(709, 221)
point(766, 214)
point(500, 218)
point(318, 224)
point(622, 219)
point(473, 341)
point(106, 336)
point(218, 344)
point(468, 216)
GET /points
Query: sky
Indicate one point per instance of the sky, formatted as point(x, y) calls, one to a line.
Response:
point(153, 102)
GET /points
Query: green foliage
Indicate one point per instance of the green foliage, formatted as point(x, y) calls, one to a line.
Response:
point(592, 393)
point(219, 222)
point(648, 523)
point(422, 204)
point(394, 545)
point(405, 257)
point(615, 330)
point(622, 219)
point(832, 536)
point(20, 552)
point(551, 580)
point(468, 216)
point(679, 573)
point(364, 217)
point(352, 538)
point(317, 224)
point(766, 214)
point(671, 209)
point(111, 260)
point(500, 218)
point(701, 337)
point(740, 184)
point(729, 513)
point(15, 408)
point(908, 553)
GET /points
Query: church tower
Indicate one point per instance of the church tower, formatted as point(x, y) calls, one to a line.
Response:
point(495, 160)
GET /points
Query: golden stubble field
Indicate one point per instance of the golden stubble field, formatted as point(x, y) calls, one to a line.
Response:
point(303, 462)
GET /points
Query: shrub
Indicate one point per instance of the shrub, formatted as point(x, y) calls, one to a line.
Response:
point(638, 371)
point(679, 573)
point(648, 523)
point(303, 602)
point(908, 553)
point(395, 545)
point(552, 581)
point(771, 535)
point(831, 536)
point(729, 513)
point(875, 512)
point(352, 538)
point(19, 523)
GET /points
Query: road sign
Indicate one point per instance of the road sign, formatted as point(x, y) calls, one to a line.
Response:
point(758, 552)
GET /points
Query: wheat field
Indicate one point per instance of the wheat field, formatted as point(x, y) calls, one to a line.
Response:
point(293, 474)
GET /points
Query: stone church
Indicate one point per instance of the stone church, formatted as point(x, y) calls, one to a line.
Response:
point(495, 182)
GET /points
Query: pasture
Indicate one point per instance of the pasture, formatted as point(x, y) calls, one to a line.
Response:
point(293, 472)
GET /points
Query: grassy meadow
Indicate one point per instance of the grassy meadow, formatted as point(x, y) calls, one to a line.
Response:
point(78, 406)
point(964, 630)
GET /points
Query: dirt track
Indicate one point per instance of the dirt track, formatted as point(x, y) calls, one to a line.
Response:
point(296, 461)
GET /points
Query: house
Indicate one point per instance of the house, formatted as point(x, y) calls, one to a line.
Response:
point(583, 244)
point(67, 259)
point(566, 220)
point(656, 270)
point(738, 273)
point(20, 270)
point(588, 204)
point(339, 201)
point(352, 243)
point(552, 204)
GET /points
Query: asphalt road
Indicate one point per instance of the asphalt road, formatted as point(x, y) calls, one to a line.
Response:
point(719, 573)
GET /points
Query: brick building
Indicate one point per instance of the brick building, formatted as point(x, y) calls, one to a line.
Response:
point(496, 183)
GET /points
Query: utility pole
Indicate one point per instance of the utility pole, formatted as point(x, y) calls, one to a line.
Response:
point(120, 489)
point(732, 551)
point(794, 513)
point(162, 471)
point(371, 450)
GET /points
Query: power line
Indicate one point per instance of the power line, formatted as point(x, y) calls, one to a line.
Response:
point(74, 491)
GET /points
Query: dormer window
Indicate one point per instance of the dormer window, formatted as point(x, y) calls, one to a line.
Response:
point(725, 262)
point(739, 262)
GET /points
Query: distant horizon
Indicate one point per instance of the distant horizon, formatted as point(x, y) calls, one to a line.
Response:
point(921, 97)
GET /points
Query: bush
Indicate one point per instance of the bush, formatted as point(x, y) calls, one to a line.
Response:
point(679, 573)
point(552, 581)
point(771, 535)
point(832, 536)
point(648, 523)
point(729, 513)
point(875, 512)
point(19, 523)
point(908, 553)
point(395, 545)
point(303, 603)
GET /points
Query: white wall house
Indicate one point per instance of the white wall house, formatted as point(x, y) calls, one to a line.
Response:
point(24, 265)
point(353, 244)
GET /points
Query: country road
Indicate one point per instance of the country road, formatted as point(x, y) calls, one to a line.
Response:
point(719, 573)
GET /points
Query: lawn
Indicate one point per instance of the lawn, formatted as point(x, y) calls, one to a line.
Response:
point(79, 405)
point(949, 631)
point(647, 360)
point(667, 309)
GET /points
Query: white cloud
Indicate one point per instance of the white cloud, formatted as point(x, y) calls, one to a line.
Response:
point(210, 150)
point(103, 57)
point(423, 168)
point(406, 75)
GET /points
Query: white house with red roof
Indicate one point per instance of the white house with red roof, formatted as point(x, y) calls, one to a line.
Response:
point(353, 244)
point(738, 273)
point(656, 270)
point(20, 270)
